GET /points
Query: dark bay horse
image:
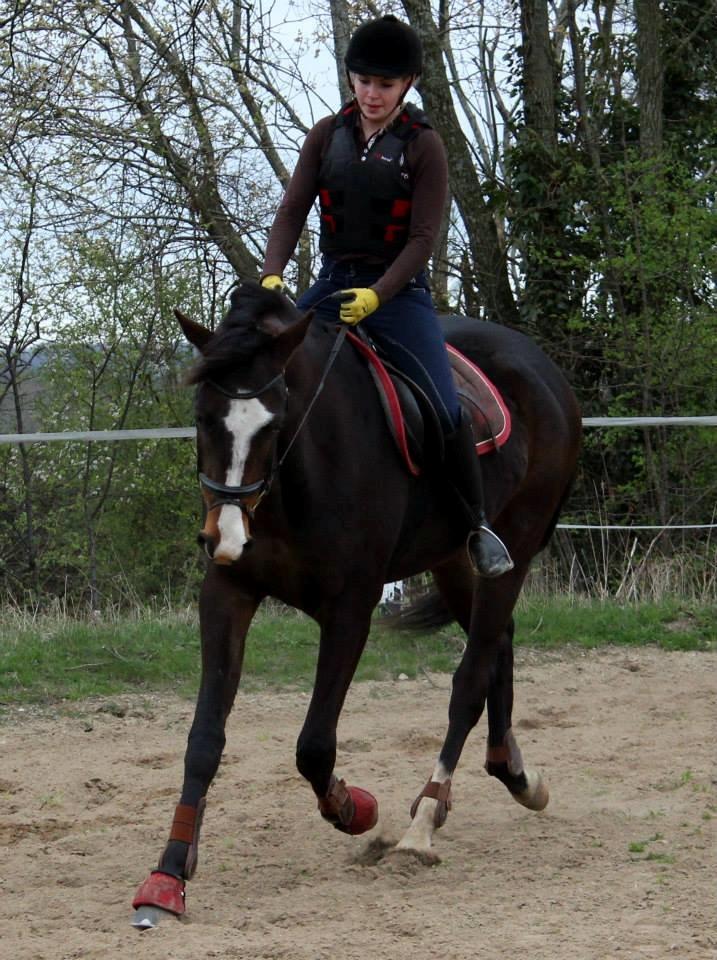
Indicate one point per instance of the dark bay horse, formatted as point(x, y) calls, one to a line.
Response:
point(307, 501)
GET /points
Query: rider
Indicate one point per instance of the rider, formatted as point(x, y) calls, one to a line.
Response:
point(380, 173)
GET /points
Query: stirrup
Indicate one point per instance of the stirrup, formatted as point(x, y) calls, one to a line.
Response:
point(488, 554)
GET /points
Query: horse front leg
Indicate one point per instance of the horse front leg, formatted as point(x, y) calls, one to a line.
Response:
point(491, 607)
point(225, 613)
point(344, 630)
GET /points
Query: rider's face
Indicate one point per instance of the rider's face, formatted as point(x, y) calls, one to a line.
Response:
point(378, 97)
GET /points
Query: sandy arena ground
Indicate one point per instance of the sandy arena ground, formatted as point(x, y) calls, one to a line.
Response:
point(622, 864)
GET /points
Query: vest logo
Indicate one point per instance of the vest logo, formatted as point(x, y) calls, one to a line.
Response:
point(381, 156)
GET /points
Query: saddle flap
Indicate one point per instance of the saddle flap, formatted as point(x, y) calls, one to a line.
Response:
point(478, 395)
point(482, 399)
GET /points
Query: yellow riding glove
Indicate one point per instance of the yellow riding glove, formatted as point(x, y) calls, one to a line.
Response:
point(362, 302)
point(272, 282)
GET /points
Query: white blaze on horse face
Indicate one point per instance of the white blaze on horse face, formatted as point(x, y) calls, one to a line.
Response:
point(243, 421)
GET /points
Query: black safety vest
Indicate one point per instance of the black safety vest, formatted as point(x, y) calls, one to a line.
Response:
point(365, 199)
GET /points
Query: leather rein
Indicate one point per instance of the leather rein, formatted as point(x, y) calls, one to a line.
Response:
point(237, 495)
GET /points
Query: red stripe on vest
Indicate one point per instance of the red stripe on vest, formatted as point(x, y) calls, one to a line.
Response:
point(392, 231)
point(400, 208)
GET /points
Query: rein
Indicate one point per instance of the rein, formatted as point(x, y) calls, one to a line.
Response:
point(340, 337)
point(235, 495)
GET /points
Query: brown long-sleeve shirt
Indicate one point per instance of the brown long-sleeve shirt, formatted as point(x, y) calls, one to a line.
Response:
point(427, 168)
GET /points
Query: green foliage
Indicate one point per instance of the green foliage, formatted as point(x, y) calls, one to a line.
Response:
point(656, 354)
point(618, 256)
point(690, 81)
point(118, 519)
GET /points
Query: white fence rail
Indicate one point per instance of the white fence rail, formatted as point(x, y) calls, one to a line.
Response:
point(169, 433)
point(173, 433)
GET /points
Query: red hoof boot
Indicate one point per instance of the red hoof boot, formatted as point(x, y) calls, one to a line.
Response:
point(161, 890)
point(350, 809)
point(365, 811)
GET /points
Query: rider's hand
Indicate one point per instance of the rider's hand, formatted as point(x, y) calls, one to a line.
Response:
point(272, 282)
point(362, 302)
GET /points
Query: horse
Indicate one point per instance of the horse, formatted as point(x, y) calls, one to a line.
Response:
point(307, 501)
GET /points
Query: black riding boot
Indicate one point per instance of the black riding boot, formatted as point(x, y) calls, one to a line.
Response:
point(488, 554)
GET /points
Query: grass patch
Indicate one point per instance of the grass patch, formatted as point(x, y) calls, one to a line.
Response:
point(670, 625)
point(75, 660)
point(46, 659)
point(641, 846)
point(281, 651)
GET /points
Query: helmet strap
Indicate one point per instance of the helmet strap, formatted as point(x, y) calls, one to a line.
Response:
point(405, 92)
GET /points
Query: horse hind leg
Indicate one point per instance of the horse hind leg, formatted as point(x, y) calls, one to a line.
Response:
point(484, 674)
point(455, 582)
point(504, 759)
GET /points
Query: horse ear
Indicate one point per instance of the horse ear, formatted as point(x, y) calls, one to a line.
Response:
point(197, 335)
point(286, 339)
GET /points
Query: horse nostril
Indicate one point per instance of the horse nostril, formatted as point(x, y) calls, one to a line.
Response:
point(206, 541)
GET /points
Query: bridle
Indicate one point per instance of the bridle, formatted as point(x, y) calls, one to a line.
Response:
point(237, 495)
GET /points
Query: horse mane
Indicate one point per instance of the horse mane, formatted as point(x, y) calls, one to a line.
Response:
point(240, 336)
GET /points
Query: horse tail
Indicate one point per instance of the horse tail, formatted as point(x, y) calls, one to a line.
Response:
point(423, 615)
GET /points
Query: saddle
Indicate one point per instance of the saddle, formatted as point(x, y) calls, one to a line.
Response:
point(411, 416)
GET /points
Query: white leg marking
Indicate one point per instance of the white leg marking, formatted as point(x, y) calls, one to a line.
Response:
point(536, 794)
point(243, 421)
point(420, 833)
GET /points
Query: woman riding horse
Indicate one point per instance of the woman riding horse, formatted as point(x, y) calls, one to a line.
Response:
point(380, 173)
point(300, 507)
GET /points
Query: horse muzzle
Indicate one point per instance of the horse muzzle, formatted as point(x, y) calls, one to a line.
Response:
point(225, 536)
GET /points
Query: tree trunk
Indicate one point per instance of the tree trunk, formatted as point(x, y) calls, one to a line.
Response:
point(489, 259)
point(546, 302)
point(539, 74)
point(342, 33)
point(649, 75)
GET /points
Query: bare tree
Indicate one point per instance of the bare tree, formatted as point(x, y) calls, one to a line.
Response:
point(190, 111)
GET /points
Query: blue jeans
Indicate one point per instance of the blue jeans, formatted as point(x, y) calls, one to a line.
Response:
point(405, 329)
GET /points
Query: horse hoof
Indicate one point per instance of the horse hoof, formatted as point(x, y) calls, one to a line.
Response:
point(147, 918)
point(365, 811)
point(160, 895)
point(536, 795)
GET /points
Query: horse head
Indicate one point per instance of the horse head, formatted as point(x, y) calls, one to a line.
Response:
point(240, 407)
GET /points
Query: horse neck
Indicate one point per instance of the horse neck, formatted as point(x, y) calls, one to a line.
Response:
point(314, 408)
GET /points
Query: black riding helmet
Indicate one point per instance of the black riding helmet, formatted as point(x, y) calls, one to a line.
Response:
point(384, 48)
